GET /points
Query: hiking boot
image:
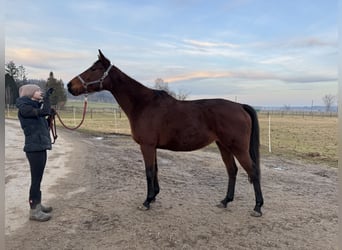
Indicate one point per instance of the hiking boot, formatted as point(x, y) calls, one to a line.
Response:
point(38, 215)
point(46, 209)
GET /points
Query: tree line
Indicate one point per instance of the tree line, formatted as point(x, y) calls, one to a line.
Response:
point(15, 77)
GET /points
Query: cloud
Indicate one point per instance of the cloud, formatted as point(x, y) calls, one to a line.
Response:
point(38, 62)
point(278, 60)
point(29, 55)
point(313, 42)
point(252, 75)
point(309, 42)
point(208, 48)
point(207, 44)
point(197, 76)
point(309, 79)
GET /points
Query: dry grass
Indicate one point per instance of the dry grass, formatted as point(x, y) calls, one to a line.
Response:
point(313, 139)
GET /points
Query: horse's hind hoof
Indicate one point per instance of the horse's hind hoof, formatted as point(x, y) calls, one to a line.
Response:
point(256, 213)
point(221, 205)
point(143, 208)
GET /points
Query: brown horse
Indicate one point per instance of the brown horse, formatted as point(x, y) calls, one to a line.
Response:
point(160, 121)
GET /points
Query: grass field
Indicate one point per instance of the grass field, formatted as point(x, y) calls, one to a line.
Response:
point(313, 139)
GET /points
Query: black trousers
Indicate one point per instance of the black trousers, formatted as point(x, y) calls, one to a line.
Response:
point(37, 162)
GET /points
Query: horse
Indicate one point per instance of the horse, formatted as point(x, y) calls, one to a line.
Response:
point(159, 121)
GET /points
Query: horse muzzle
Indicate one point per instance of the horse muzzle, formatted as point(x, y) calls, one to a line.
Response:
point(72, 90)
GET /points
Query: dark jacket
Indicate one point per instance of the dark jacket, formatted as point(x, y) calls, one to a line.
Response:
point(34, 124)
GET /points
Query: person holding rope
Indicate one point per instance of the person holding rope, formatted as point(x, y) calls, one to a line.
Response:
point(33, 109)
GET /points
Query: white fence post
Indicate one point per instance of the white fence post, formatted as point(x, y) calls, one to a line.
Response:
point(74, 111)
point(269, 134)
point(115, 122)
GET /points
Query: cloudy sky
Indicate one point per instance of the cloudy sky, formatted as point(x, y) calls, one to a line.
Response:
point(261, 52)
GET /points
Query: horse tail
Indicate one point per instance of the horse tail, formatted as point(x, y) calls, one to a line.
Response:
point(254, 142)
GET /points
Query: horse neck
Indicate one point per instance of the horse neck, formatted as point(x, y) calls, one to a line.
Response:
point(129, 93)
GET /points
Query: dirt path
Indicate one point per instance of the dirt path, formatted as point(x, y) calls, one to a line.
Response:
point(96, 203)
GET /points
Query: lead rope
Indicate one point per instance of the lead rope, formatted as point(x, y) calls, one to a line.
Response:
point(52, 119)
point(52, 125)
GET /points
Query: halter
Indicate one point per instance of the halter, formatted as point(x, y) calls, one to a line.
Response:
point(86, 84)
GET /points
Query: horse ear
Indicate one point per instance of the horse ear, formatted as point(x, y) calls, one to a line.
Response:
point(103, 59)
point(100, 56)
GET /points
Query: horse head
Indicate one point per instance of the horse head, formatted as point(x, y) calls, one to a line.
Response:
point(93, 79)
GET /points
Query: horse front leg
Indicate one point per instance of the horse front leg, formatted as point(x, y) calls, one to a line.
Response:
point(149, 154)
point(232, 170)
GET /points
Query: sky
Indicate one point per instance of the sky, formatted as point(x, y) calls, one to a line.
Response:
point(260, 52)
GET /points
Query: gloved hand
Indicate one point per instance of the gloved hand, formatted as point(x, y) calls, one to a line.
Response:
point(49, 92)
point(45, 108)
point(46, 105)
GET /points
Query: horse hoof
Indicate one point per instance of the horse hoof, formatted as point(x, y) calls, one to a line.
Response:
point(256, 214)
point(221, 205)
point(143, 208)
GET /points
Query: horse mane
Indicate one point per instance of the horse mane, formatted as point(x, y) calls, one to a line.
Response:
point(161, 94)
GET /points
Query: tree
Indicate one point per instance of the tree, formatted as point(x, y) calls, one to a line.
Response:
point(17, 73)
point(161, 85)
point(21, 75)
point(11, 90)
point(328, 101)
point(182, 95)
point(59, 95)
point(11, 69)
point(14, 78)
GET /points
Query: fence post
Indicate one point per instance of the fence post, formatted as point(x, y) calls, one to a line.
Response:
point(74, 111)
point(115, 122)
point(269, 134)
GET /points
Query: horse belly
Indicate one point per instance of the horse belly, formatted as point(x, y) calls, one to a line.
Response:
point(187, 141)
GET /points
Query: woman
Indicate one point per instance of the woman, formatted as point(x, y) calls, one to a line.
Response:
point(33, 108)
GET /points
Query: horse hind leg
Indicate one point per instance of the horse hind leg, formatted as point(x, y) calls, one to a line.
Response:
point(259, 200)
point(232, 170)
point(254, 177)
point(156, 182)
